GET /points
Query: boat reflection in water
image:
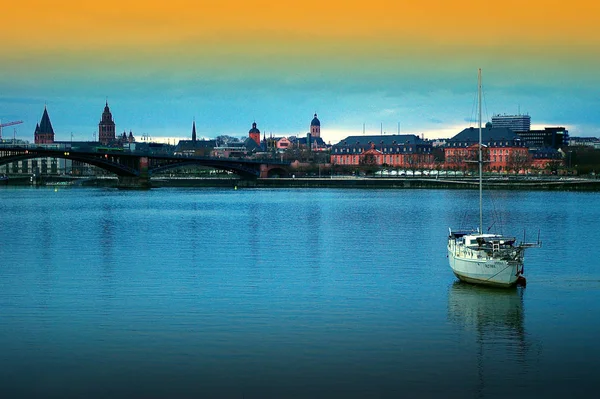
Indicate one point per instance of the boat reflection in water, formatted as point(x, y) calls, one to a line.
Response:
point(495, 318)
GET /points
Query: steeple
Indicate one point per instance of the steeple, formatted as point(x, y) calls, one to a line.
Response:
point(106, 127)
point(254, 134)
point(45, 124)
point(44, 133)
point(194, 132)
point(315, 127)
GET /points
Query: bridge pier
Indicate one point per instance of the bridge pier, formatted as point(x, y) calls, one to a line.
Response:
point(134, 182)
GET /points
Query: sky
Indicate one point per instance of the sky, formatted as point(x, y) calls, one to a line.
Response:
point(377, 65)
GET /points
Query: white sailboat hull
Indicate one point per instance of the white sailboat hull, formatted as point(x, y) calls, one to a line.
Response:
point(500, 273)
point(474, 264)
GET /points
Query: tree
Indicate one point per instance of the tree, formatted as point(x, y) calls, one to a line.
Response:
point(412, 161)
point(517, 161)
point(368, 163)
point(225, 139)
point(584, 160)
point(553, 165)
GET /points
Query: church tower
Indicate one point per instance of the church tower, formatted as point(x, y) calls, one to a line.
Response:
point(106, 127)
point(315, 127)
point(194, 133)
point(254, 134)
point(44, 134)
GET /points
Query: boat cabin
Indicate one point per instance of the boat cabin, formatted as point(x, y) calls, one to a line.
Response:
point(489, 241)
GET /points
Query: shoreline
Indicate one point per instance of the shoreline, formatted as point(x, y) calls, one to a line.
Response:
point(508, 183)
point(429, 183)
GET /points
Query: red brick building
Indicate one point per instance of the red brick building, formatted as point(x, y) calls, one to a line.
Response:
point(254, 133)
point(403, 151)
point(503, 150)
point(44, 133)
point(106, 127)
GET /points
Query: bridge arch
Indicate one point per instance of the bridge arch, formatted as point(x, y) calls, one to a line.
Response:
point(274, 171)
point(241, 170)
point(143, 165)
point(108, 162)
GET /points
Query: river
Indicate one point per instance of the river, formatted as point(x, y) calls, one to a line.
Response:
point(279, 293)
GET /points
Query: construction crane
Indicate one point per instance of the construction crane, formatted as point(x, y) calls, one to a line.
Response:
point(7, 124)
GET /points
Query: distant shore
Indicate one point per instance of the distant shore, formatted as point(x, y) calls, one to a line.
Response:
point(505, 183)
point(429, 183)
point(564, 184)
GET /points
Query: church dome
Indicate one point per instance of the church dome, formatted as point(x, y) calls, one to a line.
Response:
point(315, 121)
point(254, 129)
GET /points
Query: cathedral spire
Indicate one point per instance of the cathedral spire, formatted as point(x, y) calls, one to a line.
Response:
point(106, 127)
point(194, 132)
point(44, 133)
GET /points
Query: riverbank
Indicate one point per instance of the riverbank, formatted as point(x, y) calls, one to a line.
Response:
point(430, 183)
point(506, 183)
point(562, 184)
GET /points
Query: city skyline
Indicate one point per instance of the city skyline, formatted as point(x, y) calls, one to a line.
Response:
point(228, 64)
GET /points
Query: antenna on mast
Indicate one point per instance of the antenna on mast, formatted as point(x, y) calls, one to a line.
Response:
point(480, 155)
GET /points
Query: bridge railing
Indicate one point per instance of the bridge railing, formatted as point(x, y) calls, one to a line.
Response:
point(61, 146)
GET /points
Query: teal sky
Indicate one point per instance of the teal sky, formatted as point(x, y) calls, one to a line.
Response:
point(435, 102)
point(227, 64)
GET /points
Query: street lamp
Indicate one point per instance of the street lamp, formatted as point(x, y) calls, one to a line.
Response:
point(71, 149)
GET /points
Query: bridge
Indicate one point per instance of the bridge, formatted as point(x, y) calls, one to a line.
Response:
point(134, 169)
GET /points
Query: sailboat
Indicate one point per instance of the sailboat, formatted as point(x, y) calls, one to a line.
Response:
point(486, 258)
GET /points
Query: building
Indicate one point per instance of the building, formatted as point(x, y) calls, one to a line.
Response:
point(254, 134)
point(106, 127)
point(125, 139)
point(550, 137)
point(309, 142)
point(503, 149)
point(584, 141)
point(313, 140)
point(548, 159)
point(242, 149)
point(279, 144)
point(283, 143)
point(517, 123)
point(315, 127)
point(194, 146)
point(44, 133)
point(404, 151)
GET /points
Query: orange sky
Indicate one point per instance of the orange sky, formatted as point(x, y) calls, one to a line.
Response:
point(276, 26)
point(369, 60)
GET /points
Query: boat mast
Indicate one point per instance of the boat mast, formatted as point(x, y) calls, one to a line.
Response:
point(480, 157)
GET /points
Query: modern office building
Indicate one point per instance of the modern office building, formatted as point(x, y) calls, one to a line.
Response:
point(516, 123)
point(550, 137)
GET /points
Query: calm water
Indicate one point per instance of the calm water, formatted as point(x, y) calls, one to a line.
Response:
point(289, 293)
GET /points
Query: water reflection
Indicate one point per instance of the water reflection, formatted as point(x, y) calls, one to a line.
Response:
point(484, 307)
point(495, 317)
